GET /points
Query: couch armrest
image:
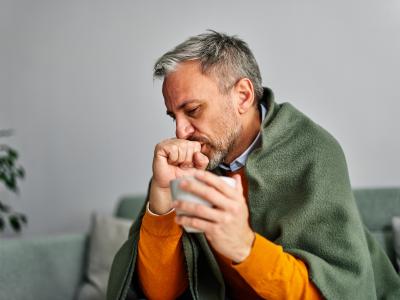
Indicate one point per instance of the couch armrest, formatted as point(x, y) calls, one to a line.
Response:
point(42, 268)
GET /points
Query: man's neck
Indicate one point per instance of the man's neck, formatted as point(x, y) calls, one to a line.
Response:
point(250, 129)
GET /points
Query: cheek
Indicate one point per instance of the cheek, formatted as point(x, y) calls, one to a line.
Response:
point(209, 126)
point(205, 133)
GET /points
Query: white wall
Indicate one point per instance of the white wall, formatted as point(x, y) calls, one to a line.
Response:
point(76, 85)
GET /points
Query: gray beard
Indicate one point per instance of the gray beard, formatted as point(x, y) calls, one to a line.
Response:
point(217, 158)
point(223, 149)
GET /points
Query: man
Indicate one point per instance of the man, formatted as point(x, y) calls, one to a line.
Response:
point(288, 230)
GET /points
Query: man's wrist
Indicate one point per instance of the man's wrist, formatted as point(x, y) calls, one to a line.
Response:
point(160, 201)
point(244, 251)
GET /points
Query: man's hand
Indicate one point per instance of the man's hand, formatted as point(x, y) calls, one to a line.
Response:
point(225, 225)
point(173, 158)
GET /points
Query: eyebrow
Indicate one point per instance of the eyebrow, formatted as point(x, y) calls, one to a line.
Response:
point(183, 104)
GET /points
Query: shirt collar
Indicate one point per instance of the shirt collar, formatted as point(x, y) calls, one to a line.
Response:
point(241, 160)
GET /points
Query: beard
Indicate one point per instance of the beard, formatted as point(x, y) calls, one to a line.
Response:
point(229, 130)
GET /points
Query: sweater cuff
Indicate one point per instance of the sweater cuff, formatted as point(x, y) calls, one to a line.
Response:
point(263, 253)
point(161, 225)
point(154, 214)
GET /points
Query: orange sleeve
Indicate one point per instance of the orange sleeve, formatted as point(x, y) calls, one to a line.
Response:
point(276, 275)
point(160, 263)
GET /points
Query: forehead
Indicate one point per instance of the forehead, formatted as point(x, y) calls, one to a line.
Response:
point(187, 82)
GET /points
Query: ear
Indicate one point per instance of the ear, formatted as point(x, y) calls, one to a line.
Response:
point(245, 94)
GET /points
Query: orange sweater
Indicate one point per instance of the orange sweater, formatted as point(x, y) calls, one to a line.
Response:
point(268, 272)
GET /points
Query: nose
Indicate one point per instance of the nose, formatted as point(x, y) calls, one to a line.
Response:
point(184, 128)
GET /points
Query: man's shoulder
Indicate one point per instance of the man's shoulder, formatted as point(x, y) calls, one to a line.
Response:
point(293, 129)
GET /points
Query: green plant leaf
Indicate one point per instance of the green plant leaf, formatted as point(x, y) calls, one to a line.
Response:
point(23, 218)
point(15, 223)
point(11, 183)
point(2, 223)
point(9, 171)
point(12, 153)
point(21, 172)
point(9, 162)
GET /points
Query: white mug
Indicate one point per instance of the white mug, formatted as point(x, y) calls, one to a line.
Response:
point(178, 194)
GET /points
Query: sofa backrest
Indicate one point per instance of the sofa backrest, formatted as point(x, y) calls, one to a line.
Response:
point(129, 206)
point(45, 267)
point(377, 206)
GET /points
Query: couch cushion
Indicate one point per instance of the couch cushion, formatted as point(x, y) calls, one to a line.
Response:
point(42, 267)
point(130, 206)
point(378, 206)
point(106, 236)
point(396, 238)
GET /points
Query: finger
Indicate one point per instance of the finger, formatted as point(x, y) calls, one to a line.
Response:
point(200, 160)
point(197, 146)
point(172, 153)
point(188, 162)
point(182, 149)
point(208, 193)
point(198, 210)
point(196, 223)
point(219, 184)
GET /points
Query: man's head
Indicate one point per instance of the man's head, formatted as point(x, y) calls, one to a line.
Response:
point(211, 86)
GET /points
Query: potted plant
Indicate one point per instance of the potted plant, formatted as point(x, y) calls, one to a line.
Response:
point(10, 173)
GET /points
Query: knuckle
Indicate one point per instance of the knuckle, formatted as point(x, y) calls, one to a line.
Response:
point(180, 141)
point(163, 144)
point(189, 149)
point(183, 146)
point(195, 144)
point(157, 148)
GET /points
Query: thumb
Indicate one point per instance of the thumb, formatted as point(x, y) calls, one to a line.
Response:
point(200, 160)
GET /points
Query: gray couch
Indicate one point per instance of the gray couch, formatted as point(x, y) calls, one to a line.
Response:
point(53, 267)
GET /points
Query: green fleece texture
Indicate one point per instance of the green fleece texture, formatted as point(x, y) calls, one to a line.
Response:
point(299, 197)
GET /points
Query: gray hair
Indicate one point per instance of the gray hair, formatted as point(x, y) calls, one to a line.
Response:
point(227, 57)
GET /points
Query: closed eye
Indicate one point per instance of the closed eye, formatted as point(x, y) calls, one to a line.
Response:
point(192, 112)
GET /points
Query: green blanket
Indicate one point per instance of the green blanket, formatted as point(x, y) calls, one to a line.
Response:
point(299, 197)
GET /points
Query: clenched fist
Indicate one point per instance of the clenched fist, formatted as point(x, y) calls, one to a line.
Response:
point(173, 158)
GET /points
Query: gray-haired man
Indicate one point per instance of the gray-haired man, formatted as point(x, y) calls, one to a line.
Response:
point(289, 230)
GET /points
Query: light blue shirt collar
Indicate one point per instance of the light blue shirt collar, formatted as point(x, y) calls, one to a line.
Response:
point(241, 160)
